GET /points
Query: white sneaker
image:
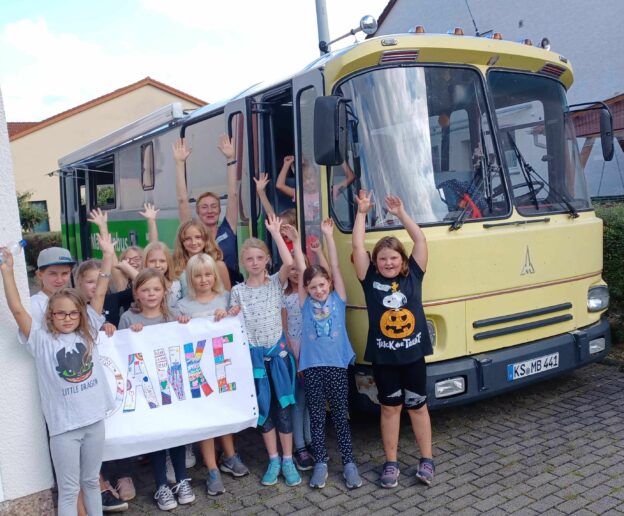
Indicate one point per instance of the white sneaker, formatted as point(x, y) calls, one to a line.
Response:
point(190, 456)
point(184, 492)
point(165, 499)
point(171, 478)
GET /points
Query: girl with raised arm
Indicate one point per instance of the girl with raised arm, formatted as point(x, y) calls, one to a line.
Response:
point(398, 339)
point(325, 356)
point(75, 396)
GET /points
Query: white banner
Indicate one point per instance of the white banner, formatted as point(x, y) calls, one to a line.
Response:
point(175, 384)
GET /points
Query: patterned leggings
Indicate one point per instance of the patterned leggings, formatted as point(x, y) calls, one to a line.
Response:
point(322, 385)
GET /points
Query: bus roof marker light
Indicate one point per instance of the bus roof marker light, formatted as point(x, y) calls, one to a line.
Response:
point(527, 41)
point(419, 29)
point(389, 42)
point(457, 31)
point(497, 35)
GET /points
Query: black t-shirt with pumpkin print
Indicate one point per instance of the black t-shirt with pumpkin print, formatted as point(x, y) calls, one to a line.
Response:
point(397, 328)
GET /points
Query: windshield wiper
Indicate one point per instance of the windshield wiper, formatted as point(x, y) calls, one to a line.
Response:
point(528, 170)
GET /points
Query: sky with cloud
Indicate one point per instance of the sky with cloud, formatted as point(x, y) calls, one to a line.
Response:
point(56, 55)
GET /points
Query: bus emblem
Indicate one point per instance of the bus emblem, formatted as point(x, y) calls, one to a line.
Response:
point(527, 268)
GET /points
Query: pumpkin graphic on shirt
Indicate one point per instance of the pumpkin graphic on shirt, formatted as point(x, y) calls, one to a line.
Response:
point(71, 366)
point(398, 322)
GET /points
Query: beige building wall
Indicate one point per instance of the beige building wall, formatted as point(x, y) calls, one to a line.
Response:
point(36, 154)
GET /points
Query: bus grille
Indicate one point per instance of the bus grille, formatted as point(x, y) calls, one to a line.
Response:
point(516, 328)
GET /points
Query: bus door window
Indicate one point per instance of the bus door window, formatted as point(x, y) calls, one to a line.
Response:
point(308, 180)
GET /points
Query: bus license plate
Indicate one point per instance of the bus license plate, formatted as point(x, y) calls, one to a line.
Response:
point(533, 366)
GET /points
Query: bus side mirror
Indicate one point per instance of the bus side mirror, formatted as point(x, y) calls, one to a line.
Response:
point(330, 130)
point(606, 134)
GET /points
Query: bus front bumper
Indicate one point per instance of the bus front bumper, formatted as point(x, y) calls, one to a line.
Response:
point(468, 379)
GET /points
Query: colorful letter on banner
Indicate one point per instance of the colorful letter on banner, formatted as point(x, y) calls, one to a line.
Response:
point(221, 362)
point(197, 380)
point(138, 378)
point(169, 374)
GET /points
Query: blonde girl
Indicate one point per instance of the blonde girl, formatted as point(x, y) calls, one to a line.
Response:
point(259, 299)
point(151, 307)
point(207, 297)
point(192, 238)
point(75, 397)
point(157, 256)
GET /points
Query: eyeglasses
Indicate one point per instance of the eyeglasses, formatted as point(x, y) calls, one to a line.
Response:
point(61, 316)
point(134, 259)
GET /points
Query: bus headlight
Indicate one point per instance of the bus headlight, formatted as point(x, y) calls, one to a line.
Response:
point(597, 298)
point(432, 332)
point(450, 387)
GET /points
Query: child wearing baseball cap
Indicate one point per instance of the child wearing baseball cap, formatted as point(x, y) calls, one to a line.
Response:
point(54, 267)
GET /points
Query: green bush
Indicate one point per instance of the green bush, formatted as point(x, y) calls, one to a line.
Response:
point(613, 272)
point(36, 242)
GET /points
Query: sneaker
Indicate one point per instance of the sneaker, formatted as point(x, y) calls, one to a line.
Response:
point(234, 466)
point(426, 471)
point(319, 475)
point(303, 459)
point(165, 499)
point(270, 476)
point(351, 476)
point(184, 492)
point(214, 484)
point(125, 489)
point(111, 503)
point(171, 478)
point(289, 470)
point(189, 458)
point(390, 476)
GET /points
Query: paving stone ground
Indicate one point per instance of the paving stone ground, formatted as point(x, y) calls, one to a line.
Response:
point(555, 447)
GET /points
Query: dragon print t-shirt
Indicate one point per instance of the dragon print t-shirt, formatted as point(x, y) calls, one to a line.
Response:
point(397, 328)
point(74, 390)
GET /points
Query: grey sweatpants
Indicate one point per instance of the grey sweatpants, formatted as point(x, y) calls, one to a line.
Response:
point(77, 458)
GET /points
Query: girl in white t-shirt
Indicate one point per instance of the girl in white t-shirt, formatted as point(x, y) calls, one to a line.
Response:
point(75, 396)
point(259, 299)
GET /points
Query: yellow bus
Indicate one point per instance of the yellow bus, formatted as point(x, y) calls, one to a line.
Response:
point(475, 135)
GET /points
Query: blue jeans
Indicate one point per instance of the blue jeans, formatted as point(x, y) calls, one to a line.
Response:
point(159, 465)
point(300, 417)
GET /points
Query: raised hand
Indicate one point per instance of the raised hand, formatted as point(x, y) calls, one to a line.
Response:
point(273, 224)
point(315, 246)
point(290, 232)
point(226, 146)
point(181, 151)
point(327, 227)
point(149, 211)
point(364, 201)
point(7, 259)
point(394, 205)
point(288, 161)
point(262, 182)
point(106, 243)
point(98, 217)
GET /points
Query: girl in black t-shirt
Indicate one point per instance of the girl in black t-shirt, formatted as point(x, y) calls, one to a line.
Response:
point(398, 339)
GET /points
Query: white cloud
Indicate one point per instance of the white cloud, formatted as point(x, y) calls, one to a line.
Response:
point(51, 71)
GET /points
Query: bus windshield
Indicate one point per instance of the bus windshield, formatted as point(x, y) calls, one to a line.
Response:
point(539, 144)
point(423, 133)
